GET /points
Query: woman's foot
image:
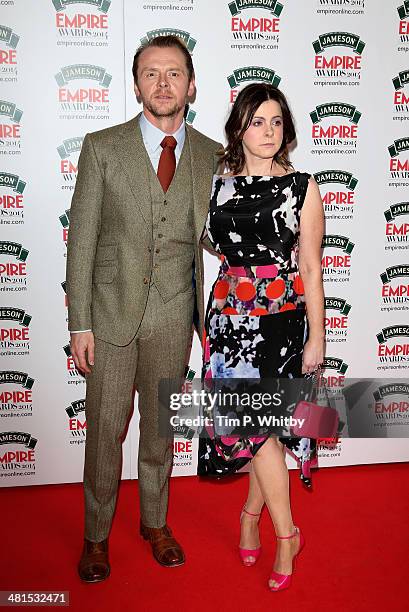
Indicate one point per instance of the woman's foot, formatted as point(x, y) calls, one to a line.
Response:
point(249, 537)
point(286, 550)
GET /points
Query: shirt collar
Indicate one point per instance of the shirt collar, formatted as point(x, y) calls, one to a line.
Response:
point(153, 136)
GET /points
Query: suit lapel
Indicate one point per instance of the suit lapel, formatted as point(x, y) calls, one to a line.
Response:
point(131, 153)
point(202, 172)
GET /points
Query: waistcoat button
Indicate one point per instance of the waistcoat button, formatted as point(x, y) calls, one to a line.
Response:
point(145, 281)
point(163, 219)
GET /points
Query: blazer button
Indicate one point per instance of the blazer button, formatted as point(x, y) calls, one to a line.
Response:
point(163, 219)
point(160, 235)
point(157, 251)
point(149, 250)
point(145, 281)
point(165, 202)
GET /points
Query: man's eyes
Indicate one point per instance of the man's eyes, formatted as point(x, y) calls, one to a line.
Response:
point(152, 74)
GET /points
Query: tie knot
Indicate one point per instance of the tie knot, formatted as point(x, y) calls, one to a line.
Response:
point(169, 141)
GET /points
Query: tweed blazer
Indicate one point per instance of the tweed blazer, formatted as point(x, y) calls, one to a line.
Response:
point(109, 261)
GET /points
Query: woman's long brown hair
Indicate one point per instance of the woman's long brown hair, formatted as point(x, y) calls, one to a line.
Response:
point(244, 108)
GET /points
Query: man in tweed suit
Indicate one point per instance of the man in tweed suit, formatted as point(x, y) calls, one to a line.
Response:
point(137, 215)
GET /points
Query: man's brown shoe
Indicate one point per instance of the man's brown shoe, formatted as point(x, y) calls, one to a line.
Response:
point(94, 564)
point(165, 549)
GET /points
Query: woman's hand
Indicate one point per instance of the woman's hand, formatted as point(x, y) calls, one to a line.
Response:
point(313, 355)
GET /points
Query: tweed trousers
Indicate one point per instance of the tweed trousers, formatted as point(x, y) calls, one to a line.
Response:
point(158, 351)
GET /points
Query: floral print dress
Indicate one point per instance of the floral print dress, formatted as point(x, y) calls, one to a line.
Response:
point(256, 323)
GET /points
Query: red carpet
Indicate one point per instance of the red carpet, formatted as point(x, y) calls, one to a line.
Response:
point(355, 524)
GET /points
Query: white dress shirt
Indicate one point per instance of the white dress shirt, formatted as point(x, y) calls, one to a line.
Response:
point(152, 136)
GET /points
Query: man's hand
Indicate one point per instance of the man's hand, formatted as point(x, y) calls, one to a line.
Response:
point(82, 350)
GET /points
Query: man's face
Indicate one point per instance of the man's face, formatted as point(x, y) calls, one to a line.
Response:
point(163, 82)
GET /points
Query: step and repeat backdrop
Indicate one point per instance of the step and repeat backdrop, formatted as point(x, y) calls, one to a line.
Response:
point(65, 70)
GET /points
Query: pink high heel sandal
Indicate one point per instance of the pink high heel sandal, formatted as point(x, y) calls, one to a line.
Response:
point(249, 552)
point(284, 580)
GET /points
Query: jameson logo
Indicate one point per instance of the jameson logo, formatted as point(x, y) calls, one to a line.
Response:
point(14, 402)
point(399, 168)
point(336, 326)
point(14, 249)
point(74, 376)
point(335, 109)
point(329, 130)
point(10, 110)
point(75, 408)
point(338, 202)
point(263, 28)
point(338, 242)
point(8, 313)
point(396, 210)
point(71, 145)
point(185, 36)
point(83, 102)
point(12, 181)
point(77, 427)
point(18, 437)
point(394, 272)
point(338, 39)
point(335, 363)
point(190, 116)
point(395, 293)
point(8, 37)
point(336, 176)
point(400, 99)
point(82, 26)
point(335, 303)
point(13, 276)
point(69, 167)
point(83, 71)
point(403, 12)
point(102, 5)
point(16, 378)
point(394, 331)
point(401, 80)
point(10, 117)
point(397, 349)
point(338, 65)
point(402, 144)
point(65, 222)
point(16, 337)
point(273, 6)
point(253, 73)
point(397, 388)
point(335, 266)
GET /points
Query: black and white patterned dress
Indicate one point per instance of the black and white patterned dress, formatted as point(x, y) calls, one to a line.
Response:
point(256, 323)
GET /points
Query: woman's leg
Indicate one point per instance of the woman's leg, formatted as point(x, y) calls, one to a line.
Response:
point(249, 535)
point(272, 476)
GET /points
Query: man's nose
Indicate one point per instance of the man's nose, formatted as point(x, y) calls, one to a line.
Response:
point(163, 82)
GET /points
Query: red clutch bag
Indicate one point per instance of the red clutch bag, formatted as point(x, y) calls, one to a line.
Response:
point(317, 421)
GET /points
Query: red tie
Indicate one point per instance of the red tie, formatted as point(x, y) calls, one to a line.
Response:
point(167, 162)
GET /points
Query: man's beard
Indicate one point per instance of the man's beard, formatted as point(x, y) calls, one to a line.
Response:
point(159, 111)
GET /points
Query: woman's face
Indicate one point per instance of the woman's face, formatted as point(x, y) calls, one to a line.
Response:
point(264, 136)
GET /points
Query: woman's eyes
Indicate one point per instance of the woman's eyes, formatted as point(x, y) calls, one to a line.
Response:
point(275, 123)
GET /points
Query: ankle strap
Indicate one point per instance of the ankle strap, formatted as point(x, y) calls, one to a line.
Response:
point(290, 536)
point(250, 513)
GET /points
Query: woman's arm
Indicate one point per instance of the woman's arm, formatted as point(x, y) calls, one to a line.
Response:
point(311, 233)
